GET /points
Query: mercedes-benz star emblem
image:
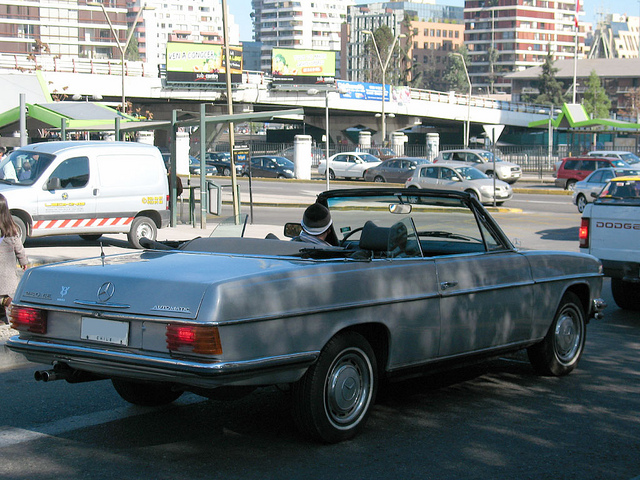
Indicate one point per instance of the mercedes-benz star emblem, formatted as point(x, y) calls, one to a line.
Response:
point(106, 291)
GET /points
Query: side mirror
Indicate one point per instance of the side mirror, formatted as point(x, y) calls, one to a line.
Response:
point(292, 230)
point(53, 184)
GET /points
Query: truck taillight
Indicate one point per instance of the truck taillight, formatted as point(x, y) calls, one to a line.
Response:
point(27, 319)
point(583, 233)
point(167, 203)
point(189, 338)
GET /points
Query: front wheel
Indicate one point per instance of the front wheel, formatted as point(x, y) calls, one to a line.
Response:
point(626, 294)
point(145, 394)
point(581, 203)
point(558, 354)
point(333, 400)
point(142, 227)
point(226, 172)
point(22, 228)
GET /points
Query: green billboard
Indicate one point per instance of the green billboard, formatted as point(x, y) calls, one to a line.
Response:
point(303, 66)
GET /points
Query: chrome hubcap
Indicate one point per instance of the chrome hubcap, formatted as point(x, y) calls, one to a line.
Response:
point(568, 335)
point(348, 389)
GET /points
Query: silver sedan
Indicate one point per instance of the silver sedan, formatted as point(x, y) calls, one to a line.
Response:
point(460, 176)
point(593, 184)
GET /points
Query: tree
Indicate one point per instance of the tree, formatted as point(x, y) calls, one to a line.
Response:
point(132, 53)
point(384, 38)
point(551, 90)
point(595, 99)
point(455, 78)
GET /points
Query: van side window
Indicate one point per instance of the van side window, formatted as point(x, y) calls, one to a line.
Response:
point(73, 172)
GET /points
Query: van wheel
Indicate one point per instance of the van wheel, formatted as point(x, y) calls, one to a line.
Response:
point(571, 185)
point(22, 228)
point(142, 227)
point(91, 238)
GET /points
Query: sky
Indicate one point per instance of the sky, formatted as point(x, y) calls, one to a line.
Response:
point(241, 9)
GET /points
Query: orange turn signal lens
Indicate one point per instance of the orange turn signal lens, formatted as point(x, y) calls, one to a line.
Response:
point(189, 338)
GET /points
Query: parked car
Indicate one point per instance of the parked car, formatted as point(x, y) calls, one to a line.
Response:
point(483, 161)
point(270, 166)
point(460, 176)
point(317, 153)
point(394, 170)
point(222, 162)
point(416, 280)
point(575, 169)
point(383, 153)
point(194, 167)
point(348, 165)
point(628, 157)
point(584, 191)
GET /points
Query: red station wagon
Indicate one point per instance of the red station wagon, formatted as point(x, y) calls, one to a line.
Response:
point(575, 169)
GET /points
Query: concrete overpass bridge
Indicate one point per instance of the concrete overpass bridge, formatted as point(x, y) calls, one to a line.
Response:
point(445, 113)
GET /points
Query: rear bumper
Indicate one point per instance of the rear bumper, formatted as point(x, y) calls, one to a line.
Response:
point(108, 363)
point(628, 271)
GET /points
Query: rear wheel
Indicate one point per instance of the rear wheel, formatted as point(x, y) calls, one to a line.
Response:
point(626, 294)
point(378, 179)
point(332, 175)
point(581, 203)
point(142, 227)
point(571, 185)
point(558, 354)
point(226, 171)
point(489, 173)
point(145, 394)
point(333, 400)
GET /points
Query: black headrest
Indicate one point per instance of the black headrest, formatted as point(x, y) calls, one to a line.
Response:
point(381, 239)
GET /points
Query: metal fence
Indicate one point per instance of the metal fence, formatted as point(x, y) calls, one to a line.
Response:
point(531, 158)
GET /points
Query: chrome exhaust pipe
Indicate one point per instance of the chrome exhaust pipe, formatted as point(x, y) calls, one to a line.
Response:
point(63, 372)
point(50, 375)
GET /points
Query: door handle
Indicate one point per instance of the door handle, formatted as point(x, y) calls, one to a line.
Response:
point(445, 285)
point(96, 191)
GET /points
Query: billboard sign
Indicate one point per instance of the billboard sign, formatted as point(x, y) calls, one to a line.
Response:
point(293, 66)
point(202, 63)
point(373, 91)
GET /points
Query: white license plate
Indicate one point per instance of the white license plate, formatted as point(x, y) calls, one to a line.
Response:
point(105, 331)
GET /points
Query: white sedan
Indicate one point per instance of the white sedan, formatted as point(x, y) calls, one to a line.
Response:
point(348, 165)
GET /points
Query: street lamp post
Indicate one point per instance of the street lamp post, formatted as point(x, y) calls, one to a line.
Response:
point(466, 133)
point(384, 66)
point(121, 47)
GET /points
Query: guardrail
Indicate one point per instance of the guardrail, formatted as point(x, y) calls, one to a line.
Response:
point(51, 63)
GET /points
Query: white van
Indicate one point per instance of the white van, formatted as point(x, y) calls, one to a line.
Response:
point(86, 188)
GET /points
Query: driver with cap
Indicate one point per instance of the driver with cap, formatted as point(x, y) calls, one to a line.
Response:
point(317, 226)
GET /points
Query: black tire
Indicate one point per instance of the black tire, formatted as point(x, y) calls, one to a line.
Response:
point(571, 185)
point(226, 171)
point(489, 173)
point(626, 294)
point(145, 394)
point(22, 228)
point(142, 227)
point(581, 203)
point(560, 351)
point(332, 175)
point(379, 179)
point(333, 400)
point(91, 238)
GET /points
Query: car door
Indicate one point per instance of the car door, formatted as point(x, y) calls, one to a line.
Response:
point(486, 291)
point(449, 178)
point(339, 164)
point(390, 170)
point(428, 177)
point(69, 194)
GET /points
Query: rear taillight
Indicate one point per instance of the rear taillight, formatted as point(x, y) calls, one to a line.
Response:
point(27, 319)
point(168, 203)
point(189, 338)
point(583, 233)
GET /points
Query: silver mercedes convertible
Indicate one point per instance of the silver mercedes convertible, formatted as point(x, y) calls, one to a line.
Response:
point(414, 281)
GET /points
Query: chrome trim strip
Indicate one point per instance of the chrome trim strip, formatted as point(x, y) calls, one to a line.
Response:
point(88, 303)
point(169, 365)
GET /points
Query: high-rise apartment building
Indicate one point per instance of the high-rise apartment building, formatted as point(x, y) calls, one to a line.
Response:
point(304, 24)
point(505, 36)
point(616, 36)
point(435, 30)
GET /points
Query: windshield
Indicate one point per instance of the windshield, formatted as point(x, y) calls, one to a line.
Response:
point(488, 156)
point(470, 173)
point(23, 167)
point(630, 158)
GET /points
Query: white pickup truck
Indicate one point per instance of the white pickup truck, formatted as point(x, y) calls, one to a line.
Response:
point(610, 231)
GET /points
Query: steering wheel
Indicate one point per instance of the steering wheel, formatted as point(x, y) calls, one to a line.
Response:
point(349, 234)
